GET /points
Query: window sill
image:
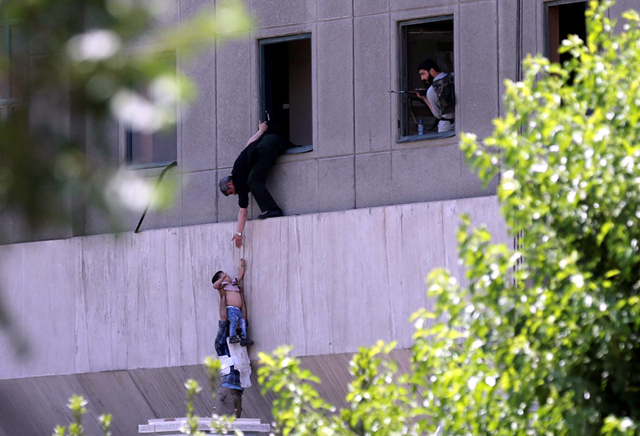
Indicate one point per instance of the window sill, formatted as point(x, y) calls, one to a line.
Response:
point(300, 149)
point(148, 166)
point(427, 136)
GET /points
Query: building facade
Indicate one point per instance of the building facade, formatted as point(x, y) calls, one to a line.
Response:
point(371, 206)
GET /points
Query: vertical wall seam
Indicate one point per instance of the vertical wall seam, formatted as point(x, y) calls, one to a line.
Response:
point(390, 84)
point(498, 57)
point(353, 94)
point(166, 243)
point(127, 320)
point(188, 250)
point(535, 20)
point(519, 48)
point(141, 391)
point(22, 299)
point(392, 312)
point(180, 123)
point(180, 71)
point(85, 311)
point(315, 106)
point(215, 123)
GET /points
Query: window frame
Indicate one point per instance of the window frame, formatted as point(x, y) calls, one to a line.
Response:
point(10, 103)
point(262, 42)
point(128, 132)
point(129, 152)
point(403, 106)
point(547, 6)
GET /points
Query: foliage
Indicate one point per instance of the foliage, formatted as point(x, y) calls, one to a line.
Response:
point(106, 49)
point(298, 407)
point(543, 339)
point(191, 426)
point(220, 424)
point(78, 404)
point(379, 402)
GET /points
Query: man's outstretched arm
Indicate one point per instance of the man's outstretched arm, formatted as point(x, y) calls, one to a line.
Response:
point(262, 127)
point(240, 275)
point(242, 221)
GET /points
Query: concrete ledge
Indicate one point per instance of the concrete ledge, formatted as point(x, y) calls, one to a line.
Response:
point(172, 425)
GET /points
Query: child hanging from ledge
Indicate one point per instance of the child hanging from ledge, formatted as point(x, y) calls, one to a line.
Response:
point(232, 296)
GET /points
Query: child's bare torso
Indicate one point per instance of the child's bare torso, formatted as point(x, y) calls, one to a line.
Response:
point(232, 293)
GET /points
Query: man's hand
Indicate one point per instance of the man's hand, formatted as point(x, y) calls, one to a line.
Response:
point(238, 240)
point(262, 127)
point(419, 94)
point(242, 220)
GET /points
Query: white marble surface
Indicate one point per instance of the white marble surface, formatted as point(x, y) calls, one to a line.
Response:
point(324, 283)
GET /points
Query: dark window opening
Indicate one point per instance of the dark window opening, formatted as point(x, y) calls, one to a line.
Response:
point(18, 60)
point(14, 70)
point(285, 84)
point(5, 66)
point(151, 148)
point(421, 40)
point(563, 20)
point(157, 148)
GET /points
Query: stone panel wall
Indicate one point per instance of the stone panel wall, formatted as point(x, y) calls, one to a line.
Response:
point(127, 301)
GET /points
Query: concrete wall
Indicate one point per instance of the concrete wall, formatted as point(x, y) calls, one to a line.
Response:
point(145, 300)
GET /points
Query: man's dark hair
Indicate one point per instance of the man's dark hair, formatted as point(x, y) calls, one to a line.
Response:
point(216, 277)
point(222, 184)
point(427, 64)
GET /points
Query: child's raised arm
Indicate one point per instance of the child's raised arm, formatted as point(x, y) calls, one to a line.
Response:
point(218, 283)
point(241, 270)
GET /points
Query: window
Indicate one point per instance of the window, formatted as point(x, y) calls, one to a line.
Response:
point(285, 87)
point(14, 69)
point(564, 18)
point(421, 40)
point(152, 149)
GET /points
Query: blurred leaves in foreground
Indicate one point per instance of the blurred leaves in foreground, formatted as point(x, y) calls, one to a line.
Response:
point(69, 70)
point(545, 339)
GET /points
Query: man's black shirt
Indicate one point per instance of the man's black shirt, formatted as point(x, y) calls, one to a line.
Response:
point(240, 173)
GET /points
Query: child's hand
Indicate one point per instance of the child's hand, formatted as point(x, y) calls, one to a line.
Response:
point(241, 271)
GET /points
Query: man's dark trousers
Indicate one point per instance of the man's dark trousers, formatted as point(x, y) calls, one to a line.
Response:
point(267, 150)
